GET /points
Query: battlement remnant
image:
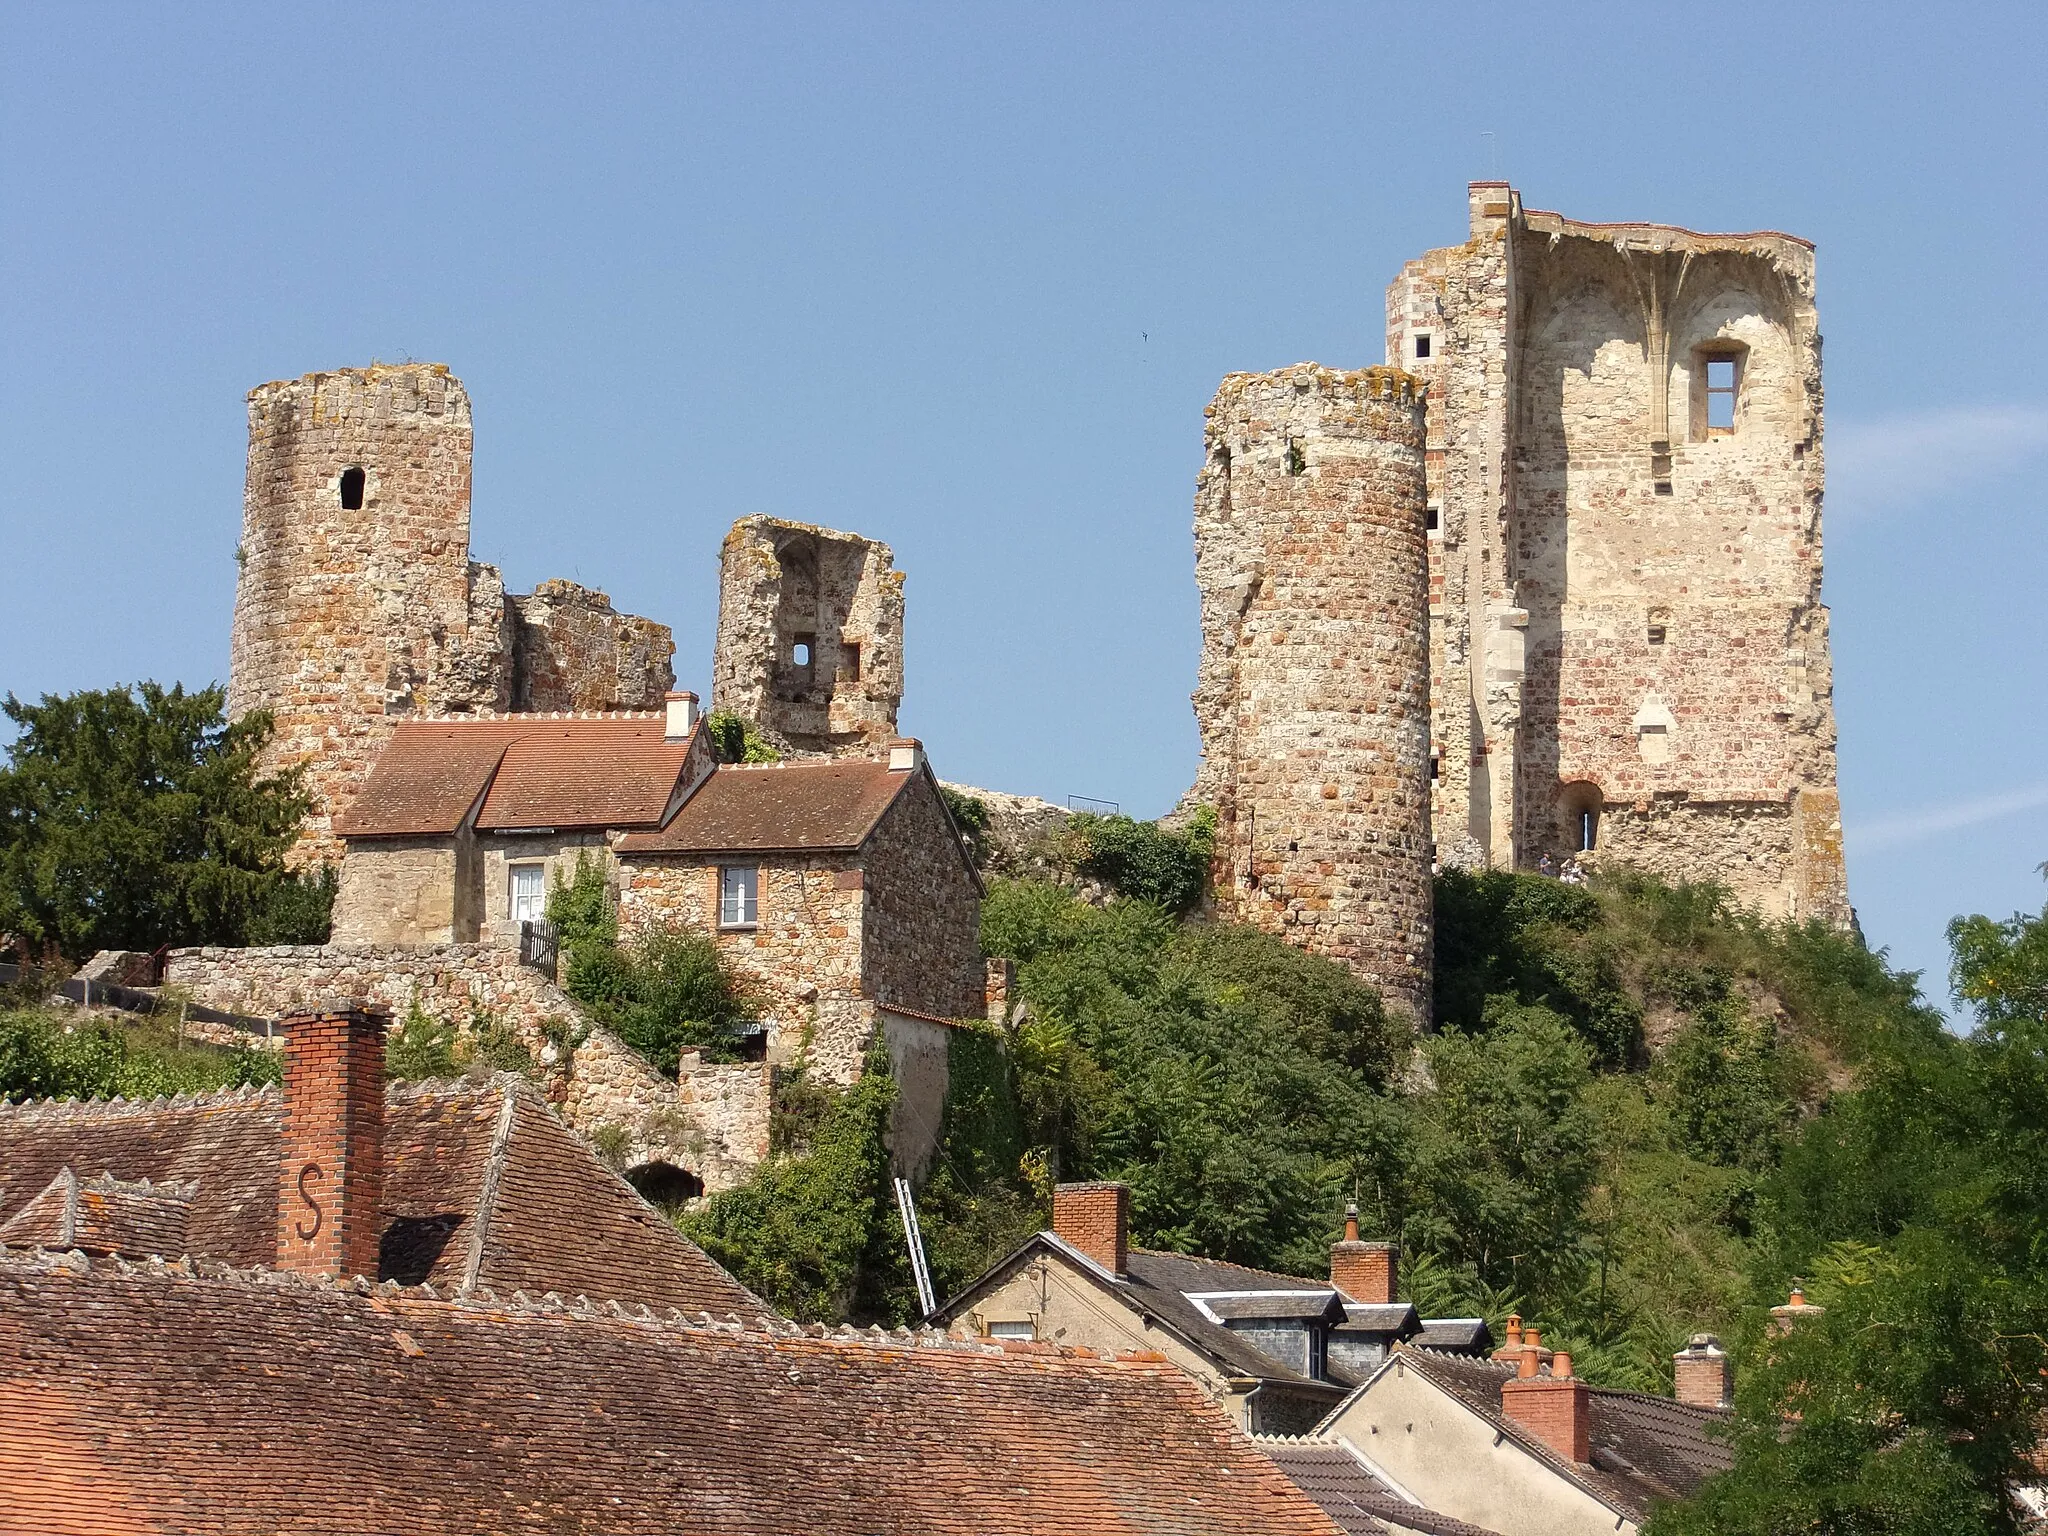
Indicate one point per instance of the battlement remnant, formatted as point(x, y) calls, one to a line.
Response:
point(810, 636)
point(1313, 702)
point(358, 603)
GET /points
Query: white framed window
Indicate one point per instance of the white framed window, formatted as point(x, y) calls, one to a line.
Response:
point(1025, 1330)
point(739, 896)
point(527, 887)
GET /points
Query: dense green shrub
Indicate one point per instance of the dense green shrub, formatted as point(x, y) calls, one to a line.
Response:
point(970, 815)
point(1144, 861)
point(736, 739)
point(423, 1046)
point(47, 1054)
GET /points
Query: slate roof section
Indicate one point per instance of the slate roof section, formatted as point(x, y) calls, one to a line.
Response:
point(559, 771)
point(1458, 1335)
point(482, 1186)
point(375, 1408)
point(1645, 1449)
point(784, 808)
point(1329, 1472)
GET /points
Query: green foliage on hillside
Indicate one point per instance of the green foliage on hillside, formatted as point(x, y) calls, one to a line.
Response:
point(1144, 861)
point(135, 818)
point(664, 990)
point(422, 1046)
point(47, 1053)
point(970, 815)
point(1916, 1210)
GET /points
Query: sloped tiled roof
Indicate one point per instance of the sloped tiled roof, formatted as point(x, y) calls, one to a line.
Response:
point(784, 808)
point(555, 1220)
point(241, 1402)
point(611, 770)
point(103, 1215)
point(1645, 1449)
point(1329, 1472)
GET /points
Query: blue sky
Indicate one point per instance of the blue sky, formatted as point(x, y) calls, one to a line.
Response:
point(962, 278)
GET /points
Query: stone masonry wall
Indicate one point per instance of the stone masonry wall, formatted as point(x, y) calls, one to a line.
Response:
point(572, 650)
point(1310, 554)
point(921, 930)
point(348, 617)
point(1630, 620)
point(810, 636)
point(714, 1122)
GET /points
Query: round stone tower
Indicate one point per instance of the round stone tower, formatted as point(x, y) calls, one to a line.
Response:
point(1311, 552)
point(356, 601)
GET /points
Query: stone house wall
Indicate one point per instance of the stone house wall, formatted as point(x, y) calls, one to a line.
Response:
point(810, 636)
point(1629, 617)
point(1311, 558)
point(919, 1062)
point(407, 890)
point(921, 929)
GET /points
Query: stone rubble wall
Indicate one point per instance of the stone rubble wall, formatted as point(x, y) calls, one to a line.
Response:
point(921, 922)
point(785, 583)
point(1313, 696)
point(715, 1123)
point(1017, 824)
point(572, 651)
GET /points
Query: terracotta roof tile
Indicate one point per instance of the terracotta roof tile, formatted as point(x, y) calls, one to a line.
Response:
point(558, 1220)
point(614, 770)
point(792, 807)
point(242, 1403)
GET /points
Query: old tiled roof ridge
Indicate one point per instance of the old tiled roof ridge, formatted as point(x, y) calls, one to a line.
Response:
point(487, 1302)
point(1288, 1282)
point(466, 716)
point(830, 805)
point(68, 1107)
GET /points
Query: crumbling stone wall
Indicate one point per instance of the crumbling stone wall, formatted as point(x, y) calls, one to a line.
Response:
point(357, 600)
point(921, 917)
point(810, 636)
point(1629, 618)
point(573, 651)
point(712, 1120)
point(1310, 554)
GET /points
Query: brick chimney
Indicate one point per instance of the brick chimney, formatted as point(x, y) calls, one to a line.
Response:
point(905, 753)
point(1557, 1409)
point(1095, 1218)
point(331, 1166)
point(1785, 1318)
point(1369, 1273)
point(1701, 1373)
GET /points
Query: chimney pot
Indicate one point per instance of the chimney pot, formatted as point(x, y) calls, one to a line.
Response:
point(905, 753)
point(1351, 1222)
point(1530, 1362)
point(1557, 1409)
point(330, 1192)
point(1561, 1365)
point(1096, 1219)
point(682, 716)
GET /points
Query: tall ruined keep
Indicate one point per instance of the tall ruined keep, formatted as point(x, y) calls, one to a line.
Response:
point(1313, 701)
point(1628, 650)
point(810, 636)
point(358, 602)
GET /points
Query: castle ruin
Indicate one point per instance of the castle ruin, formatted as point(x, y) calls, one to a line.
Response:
point(1313, 701)
point(810, 637)
point(358, 603)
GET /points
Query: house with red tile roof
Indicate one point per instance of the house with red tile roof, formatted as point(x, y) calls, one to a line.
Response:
point(195, 1397)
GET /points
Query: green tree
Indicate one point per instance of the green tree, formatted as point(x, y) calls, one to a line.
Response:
point(134, 818)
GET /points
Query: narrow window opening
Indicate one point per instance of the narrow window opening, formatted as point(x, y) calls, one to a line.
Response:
point(849, 656)
point(351, 490)
point(1720, 396)
point(1588, 829)
point(739, 896)
point(800, 653)
point(1297, 461)
point(1656, 634)
point(1435, 767)
point(1422, 341)
point(1433, 518)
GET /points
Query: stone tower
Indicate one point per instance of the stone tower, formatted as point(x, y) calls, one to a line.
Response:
point(358, 601)
point(1628, 646)
point(1313, 699)
point(810, 636)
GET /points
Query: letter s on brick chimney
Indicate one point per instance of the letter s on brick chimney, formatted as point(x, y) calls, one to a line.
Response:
point(1095, 1218)
point(330, 1189)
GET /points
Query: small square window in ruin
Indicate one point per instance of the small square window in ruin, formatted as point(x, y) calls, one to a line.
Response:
point(1433, 519)
point(739, 896)
point(849, 661)
point(1717, 369)
point(1720, 396)
point(1422, 340)
point(801, 649)
point(352, 490)
point(1656, 634)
